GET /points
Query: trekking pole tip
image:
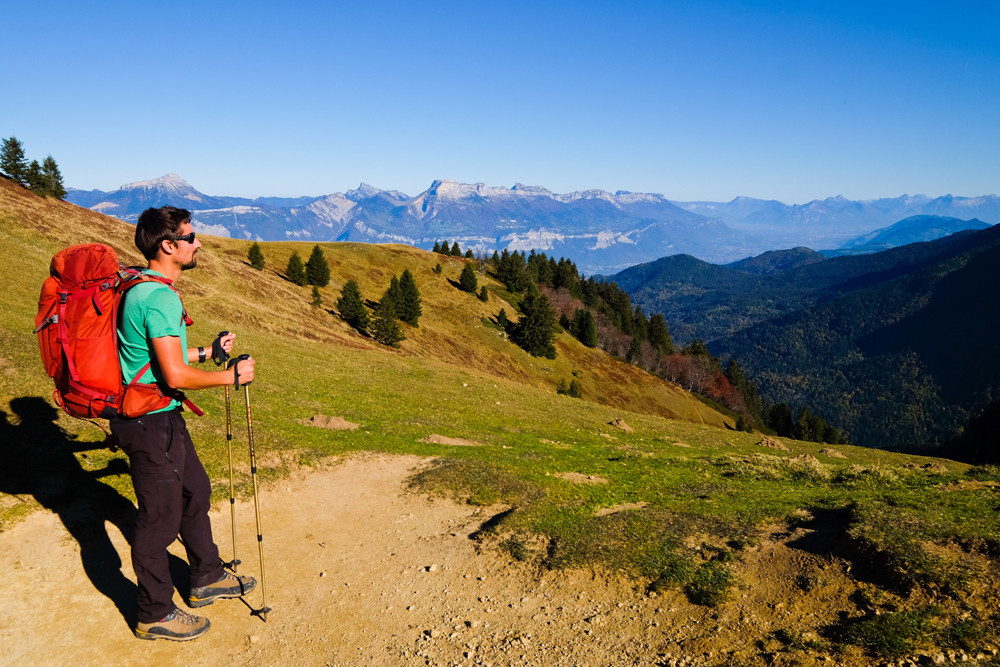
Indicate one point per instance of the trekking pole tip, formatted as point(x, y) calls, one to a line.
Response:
point(262, 613)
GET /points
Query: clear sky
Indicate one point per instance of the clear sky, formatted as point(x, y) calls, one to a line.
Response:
point(695, 100)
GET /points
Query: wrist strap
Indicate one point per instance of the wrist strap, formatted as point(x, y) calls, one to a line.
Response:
point(201, 355)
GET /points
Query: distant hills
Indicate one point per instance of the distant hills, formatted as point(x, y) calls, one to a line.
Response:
point(914, 229)
point(899, 348)
point(602, 232)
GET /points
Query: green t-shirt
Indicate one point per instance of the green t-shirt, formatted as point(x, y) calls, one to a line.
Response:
point(150, 310)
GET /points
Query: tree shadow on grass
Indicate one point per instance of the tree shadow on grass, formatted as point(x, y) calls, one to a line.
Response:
point(39, 461)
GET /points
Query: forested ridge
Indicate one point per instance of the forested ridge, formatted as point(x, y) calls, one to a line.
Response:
point(897, 348)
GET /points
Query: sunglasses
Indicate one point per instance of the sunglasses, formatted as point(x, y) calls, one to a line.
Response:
point(187, 238)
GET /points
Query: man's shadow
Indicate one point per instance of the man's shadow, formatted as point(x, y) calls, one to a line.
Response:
point(38, 460)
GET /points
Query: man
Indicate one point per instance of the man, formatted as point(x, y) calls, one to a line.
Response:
point(171, 485)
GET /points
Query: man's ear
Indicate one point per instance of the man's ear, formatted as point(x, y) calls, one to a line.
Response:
point(168, 247)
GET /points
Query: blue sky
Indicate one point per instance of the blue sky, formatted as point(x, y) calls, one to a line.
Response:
point(695, 100)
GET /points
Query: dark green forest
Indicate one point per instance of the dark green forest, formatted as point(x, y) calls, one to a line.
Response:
point(897, 348)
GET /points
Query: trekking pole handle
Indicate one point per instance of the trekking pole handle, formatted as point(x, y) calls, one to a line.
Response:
point(234, 363)
point(219, 355)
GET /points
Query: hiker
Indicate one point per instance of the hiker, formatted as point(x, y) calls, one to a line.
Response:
point(171, 485)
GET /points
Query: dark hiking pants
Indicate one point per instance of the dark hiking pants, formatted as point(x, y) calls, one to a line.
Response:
point(174, 496)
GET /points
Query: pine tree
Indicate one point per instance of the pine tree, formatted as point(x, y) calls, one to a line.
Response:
point(659, 335)
point(437, 247)
point(13, 164)
point(469, 254)
point(256, 256)
point(317, 270)
point(317, 298)
point(584, 328)
point(535, 331)
point(352, 308)
point(393, 295)
point(502, 319)
point(437, 268)
point(52, 179)
point(443, 248)
point(484, 296)
point(385, 327)
point(468, 281)
point(455, 250)
point(34, 180)
point(410, 309)
point(295, 271)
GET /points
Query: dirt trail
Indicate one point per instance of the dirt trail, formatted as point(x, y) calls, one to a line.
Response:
point(361, 572)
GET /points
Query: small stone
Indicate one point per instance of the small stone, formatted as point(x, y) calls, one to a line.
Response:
point(253, 639)
point(323, 573)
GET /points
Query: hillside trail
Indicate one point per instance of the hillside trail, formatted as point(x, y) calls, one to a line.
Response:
point(361, 571)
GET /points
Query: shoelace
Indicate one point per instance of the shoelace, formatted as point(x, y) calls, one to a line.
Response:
point(182, 616)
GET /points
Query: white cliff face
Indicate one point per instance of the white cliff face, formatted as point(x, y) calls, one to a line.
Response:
point(333, 209)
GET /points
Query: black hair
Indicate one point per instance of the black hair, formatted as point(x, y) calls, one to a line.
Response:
point(156, 225)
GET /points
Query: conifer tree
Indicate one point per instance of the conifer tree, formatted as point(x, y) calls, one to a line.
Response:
point(437, 247)
point(33, 178)
point(437, 268)
point(584, 328)
point(295, 271)
point(455, 250)
point(385, 328)
point(393, 294)
point(502, 319)
point(468, 280)
point(352, 308)
point(256, 256)
point(317, 298)
point(13, 164)
point(52, 179)
point(317, 269)
point(659, 335)
point(410, 309)
point(535, 330)
point(484, 296)
point(469, 254)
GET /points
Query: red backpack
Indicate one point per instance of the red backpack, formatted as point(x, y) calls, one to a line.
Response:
point(77, 327)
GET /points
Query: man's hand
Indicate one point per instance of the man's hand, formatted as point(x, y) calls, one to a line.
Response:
point(244, 371)
point(227, 342)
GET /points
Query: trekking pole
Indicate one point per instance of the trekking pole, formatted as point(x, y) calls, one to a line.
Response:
point(264, 609)
point(220, 356)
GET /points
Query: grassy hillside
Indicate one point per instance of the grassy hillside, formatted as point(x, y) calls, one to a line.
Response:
point(666, 493)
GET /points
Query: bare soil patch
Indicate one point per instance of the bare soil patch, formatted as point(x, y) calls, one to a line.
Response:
point(453, 442)
point(620, 423)
point(580, 478)
point(773, 443)
point(331, 423)
point(624, 507)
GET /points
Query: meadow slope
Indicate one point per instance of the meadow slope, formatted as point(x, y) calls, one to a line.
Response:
point(631, 522)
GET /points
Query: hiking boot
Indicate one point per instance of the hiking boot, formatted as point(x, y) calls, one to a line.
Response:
point(230, 586)
point(178, 625)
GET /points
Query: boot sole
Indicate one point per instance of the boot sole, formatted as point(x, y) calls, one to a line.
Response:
point(207, 601)
point(204, 602)
point(141, 634)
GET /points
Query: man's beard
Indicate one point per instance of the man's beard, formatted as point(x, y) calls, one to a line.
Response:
point(190, 265)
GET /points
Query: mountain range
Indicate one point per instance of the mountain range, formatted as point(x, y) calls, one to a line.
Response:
point(602, 232)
